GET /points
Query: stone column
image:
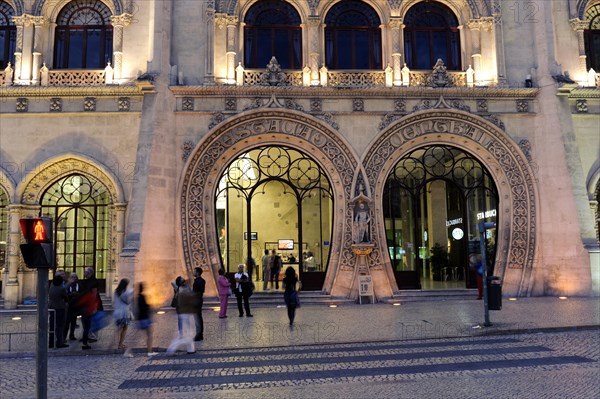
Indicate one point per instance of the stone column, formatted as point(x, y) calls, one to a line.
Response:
point(232, 32)
point(397, 28)
point(313, 25)
point(499, 39)
point(117, 238)
point(38, 24)
point(474, 26)
point(13, 286)
point(209, 75)
point(20, 24)
point(579, 26)
point(119, 22)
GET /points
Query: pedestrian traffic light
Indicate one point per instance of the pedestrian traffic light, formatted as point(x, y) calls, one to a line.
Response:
point(38, 251)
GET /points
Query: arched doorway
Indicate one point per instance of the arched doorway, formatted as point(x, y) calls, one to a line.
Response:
point(79, 206)
point(433, 199)
point(275, 198)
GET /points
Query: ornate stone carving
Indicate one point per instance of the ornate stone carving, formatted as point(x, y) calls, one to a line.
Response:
point(230, 104)
point(509, 168)
point(22, 104)
point(89, 104)
point(316, 105)
point(525, 146)
point(48, 174)
point(358, 105)
point(582, 106)
point(522, 105)
point(291, 103)
point(482, 105)
point(440, 76)
point(124, 104)
point(76, 78)
point(328, 118)
point(199, 239)
point(400, 105)
point(216, 119)
point(273, 75)
point(186, 148)
point(55, 104)
point(187, 104)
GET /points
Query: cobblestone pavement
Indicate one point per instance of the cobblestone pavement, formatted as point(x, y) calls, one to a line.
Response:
point(535, 365)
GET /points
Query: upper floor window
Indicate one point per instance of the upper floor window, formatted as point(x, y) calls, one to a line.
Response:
point(84, 36)
point(352, 37)
point(431, 33)
point(272, 29)
point(8, 34)
point(592, 38)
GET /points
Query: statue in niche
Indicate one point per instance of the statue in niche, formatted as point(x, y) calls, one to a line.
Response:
point(362, 220)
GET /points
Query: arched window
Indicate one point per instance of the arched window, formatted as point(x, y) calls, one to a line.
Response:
point(352, 37)
point(8, 35)
point(592, 38)
point(84, 36)
point(272, 29)
point(79, 207)
point(431, 32)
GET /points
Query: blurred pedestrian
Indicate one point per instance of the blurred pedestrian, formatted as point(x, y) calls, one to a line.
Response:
point(290, 294)
point(89, 305)
point(186, 307)
point(199, 287)
point(275, 266)
point(57, 302)
point(250, 266)
point(224, 286)
point(144, 319)
point(122, 299)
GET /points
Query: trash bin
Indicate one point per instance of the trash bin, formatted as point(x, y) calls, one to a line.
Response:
point(494, 290)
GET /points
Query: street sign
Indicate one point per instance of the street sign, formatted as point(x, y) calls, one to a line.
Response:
point(365, 288)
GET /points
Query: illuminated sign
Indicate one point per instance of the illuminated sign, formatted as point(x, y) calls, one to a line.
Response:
point(453, 222)
point(37, 230)
point(486, 214)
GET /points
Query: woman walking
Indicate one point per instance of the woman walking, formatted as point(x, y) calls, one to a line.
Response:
point(290, 295)
point(144, 319)
point(121, 302)
point(224, 292)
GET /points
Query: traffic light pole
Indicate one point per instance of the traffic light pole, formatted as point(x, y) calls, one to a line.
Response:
point(42, 334)
point(486, 308)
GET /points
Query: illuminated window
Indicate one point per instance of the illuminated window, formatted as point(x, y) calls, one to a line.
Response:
point(79, 207)
point(272, 29)
point(83, 36)
point(8, 35)
point(592, 38)
point(352, 37)
point(431, 33)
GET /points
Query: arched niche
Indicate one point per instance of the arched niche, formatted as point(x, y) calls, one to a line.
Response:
point(205, 166)
point(513, 176)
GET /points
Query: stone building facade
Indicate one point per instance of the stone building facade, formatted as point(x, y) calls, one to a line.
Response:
point(131, 123)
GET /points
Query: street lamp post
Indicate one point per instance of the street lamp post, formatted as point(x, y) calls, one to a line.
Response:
point(483, 226)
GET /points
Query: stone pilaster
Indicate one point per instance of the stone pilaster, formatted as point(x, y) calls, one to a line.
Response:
point(397, 29)
point(232, 32)
point(38, 25)
point(314, 59)
point(119, 23)
point(579, 26)
point(209, 75)
point(474, 26)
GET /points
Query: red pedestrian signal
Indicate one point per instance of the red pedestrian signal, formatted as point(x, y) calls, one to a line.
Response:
point(37, 230)
point(38, 250)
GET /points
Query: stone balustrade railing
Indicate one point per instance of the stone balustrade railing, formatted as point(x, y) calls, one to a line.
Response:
point(73, 77)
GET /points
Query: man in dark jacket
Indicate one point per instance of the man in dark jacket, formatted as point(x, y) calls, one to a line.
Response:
point(198, 288)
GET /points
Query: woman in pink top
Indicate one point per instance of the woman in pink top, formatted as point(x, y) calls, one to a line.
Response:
point(224, 292)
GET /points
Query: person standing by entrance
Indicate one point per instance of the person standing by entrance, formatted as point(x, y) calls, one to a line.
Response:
point(224, 293)
point(243, 290)
point(198, 288)
point(290, 295)
point(275, 266)
point(250, 265)
point(266, 271)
